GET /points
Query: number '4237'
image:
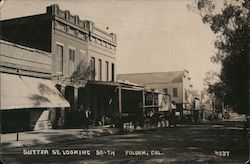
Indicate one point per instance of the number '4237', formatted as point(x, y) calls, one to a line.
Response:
point(222, 153)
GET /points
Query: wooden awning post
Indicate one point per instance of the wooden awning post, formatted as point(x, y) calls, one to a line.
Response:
point(120, 98)
point(143, 97)
point(153, 99)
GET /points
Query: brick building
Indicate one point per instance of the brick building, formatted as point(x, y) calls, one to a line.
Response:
point(83, 66)
point(80, 52)
point(29, 99)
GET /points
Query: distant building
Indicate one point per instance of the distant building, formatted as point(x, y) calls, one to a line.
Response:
point(177, 84)
point(28, 96)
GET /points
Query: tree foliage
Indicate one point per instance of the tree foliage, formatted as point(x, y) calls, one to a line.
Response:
point(84, 72)
point(230, 21)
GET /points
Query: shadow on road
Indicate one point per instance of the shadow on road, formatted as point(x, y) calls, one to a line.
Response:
point(176, 145)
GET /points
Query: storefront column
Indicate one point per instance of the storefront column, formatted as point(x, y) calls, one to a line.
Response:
point(62, 110)
point(143, 97)
point(153, 97)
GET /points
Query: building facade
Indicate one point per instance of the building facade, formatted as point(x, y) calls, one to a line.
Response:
point(83, 65)
point(69, 39)
point(29, 99)
point(80, 52)
point(176, 84)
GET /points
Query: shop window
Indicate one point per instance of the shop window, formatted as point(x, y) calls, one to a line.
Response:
point(59, 59)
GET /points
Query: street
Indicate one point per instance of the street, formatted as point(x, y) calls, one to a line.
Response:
point(188, 144)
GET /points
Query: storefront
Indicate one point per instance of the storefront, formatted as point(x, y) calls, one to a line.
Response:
point(105, 100)
point(28, 103)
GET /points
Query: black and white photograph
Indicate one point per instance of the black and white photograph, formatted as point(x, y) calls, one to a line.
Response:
point(125, 81)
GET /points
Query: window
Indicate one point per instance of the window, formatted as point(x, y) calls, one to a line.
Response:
point(107, 71)
point(165, 90)
point(186, 94)
point(175, 92)
point(59, 58)
point(92, 63)
point(113, 72)
point(100, 69)
point(71, 61)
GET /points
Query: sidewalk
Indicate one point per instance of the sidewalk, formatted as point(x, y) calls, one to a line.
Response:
point(31, 138)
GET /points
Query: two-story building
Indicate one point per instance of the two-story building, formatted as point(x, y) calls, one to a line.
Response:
point(80, 51)
point(29, 99)
point(176, 84)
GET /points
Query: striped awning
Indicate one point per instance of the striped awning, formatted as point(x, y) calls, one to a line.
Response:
point(19, 92)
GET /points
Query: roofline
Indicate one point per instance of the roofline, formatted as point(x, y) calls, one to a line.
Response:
point(22, 17)
point(2, 41)
point(151, 72)
point(123, 85)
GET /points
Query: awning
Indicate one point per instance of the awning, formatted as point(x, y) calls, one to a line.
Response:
point(28, 92)
point(132, 89)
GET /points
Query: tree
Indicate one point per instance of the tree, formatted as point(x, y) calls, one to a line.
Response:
point(213, 85)
point(230, 21)
point(211, 78)
point(84, 72)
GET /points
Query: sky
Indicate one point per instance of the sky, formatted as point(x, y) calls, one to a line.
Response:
point(153, 35)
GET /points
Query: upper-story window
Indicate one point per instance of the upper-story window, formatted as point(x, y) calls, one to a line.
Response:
point(71, 60)
point(100, 69)
point(59, 58)
point(107, 71)
point(92, 64)
point(175, 94)
point(186, 94)
point(113, 72)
